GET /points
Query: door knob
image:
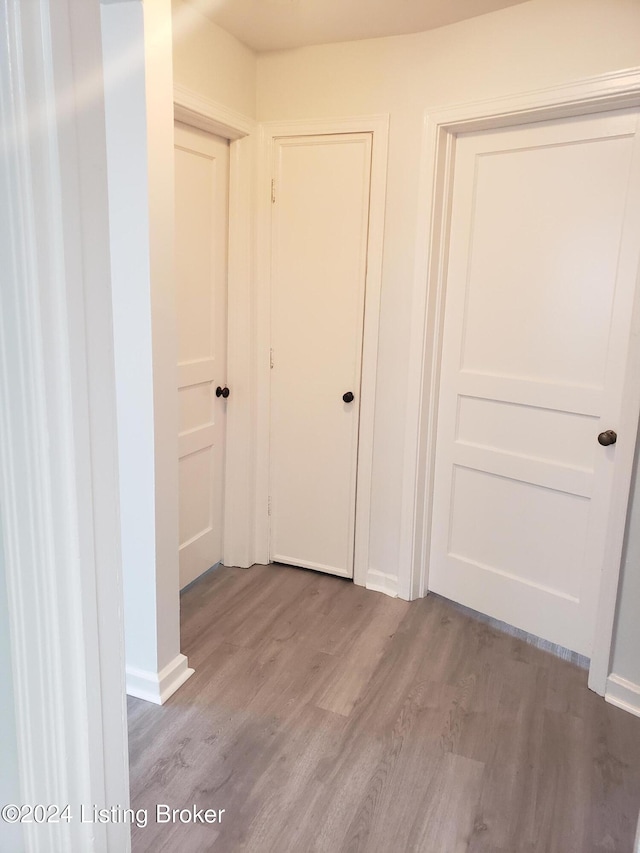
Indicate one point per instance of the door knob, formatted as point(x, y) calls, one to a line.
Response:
point(348, 397)
point(222, 392)
point(607, 437)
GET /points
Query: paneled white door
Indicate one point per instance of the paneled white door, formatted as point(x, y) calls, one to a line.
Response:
point(319, 250)
point(542, 271)
point(202, 214)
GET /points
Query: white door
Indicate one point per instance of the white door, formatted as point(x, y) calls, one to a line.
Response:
point(542, 270)
point(202, 212)
point(319, 250)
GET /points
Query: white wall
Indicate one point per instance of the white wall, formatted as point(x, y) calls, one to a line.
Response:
point(530, 46)
point(129, 225)
point(139, 112)
point(211, 62)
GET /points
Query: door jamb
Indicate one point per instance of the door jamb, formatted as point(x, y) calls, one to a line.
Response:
point(59, 495)
point(378, 126)
point(618, 90)
point(197, 111)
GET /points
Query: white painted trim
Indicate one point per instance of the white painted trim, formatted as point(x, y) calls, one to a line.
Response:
point(261, 542)
point(611, 91)
point(381, 582)
point(58, 438)
point(197, 111)
point(623, 694)
point(157, 687)
point(378, 126)
point(212, 117)
point(240, 468)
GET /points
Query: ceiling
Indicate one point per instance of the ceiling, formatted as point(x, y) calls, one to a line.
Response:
point(279, 24)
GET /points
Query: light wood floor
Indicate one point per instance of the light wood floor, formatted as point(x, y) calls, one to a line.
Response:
point(326, 718)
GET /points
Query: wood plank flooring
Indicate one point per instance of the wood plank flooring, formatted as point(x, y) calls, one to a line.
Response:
point(323, 717)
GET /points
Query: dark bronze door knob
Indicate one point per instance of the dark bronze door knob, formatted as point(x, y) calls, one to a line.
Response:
point(222, 392)
point(348, 397)
point(607, 437)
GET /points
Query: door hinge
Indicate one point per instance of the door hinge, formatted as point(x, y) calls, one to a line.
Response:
point(269, 505)
point(271, 359)
point(273, 190)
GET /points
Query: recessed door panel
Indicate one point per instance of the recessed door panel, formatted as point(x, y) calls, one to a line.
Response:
point(545, 221)
point(530, 432)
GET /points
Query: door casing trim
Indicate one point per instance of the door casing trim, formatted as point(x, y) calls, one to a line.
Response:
point(378, 126)
point(593, 95)
point(59, 522)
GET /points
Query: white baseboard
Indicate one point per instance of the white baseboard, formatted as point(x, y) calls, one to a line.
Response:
point(623, 694)
point(379, 582)
point(157, 687)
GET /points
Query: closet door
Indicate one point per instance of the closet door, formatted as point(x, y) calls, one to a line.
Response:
point(319, 249)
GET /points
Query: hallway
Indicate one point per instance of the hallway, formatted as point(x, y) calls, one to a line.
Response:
point(325, 717)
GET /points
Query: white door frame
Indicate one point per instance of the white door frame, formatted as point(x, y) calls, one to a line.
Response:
point(59, 492)
point(202, 113)
point(594, 95)
point(378, 126)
